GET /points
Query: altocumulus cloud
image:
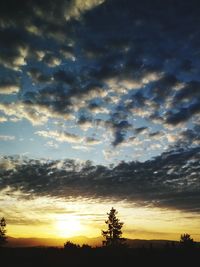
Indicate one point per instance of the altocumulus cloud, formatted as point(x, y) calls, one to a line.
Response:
point(120, 59)
point(176, 185)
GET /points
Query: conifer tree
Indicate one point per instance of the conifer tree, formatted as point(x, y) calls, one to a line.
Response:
point(186, 241)
point(2, 231)
point(113, 235)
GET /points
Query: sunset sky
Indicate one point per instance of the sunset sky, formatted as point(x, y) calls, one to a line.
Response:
point(100, 108)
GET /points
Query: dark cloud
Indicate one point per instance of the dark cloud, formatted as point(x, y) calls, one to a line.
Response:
point(190, 137)
point(92, 141)
point(186, 65)
point(12, 47)
point(120, 130)
point(92, 106)
point(140, 130)
point(23, 12)
point(189, 92)
point(138, 100)
point(38, 77)
point(53, 98)
point(175, 185)
point(9, 85)
point(184, 113)
point(64, 76)
point(156, 134)
point(163, 88)
point(83, 120)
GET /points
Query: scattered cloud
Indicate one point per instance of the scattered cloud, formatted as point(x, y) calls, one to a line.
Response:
point(60, 136)
point(9, 83)
point(7, 137)
point(7, 163)
point(7, 89)
point(52, 144)
point(92, 141)
point(3, 119)
point(67, 66)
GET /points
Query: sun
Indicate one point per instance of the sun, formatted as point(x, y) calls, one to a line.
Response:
point(68, 226)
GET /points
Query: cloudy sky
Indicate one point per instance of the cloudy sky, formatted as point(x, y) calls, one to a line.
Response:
point(99, 107)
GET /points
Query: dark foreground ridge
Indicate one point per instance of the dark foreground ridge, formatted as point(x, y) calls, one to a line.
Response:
point(87, 256)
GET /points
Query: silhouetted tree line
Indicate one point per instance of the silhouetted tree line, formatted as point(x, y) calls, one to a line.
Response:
point(71, 246)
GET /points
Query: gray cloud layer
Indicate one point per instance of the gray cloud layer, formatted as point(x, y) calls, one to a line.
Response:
point(170, 180)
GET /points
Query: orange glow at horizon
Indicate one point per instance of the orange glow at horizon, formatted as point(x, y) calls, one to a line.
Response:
point(45, 217)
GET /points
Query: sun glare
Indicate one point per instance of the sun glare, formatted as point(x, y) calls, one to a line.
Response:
point(68, 226)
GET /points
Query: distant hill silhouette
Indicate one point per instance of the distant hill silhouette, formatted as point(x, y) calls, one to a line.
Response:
point(95, 241)
point(52, 242)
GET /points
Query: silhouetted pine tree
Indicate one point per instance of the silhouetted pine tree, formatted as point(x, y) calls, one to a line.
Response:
point(2, 231)
point(113, 235)
point(186, 241)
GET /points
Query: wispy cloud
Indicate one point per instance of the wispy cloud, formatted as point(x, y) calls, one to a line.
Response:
point(60, 136)
point(7, 137)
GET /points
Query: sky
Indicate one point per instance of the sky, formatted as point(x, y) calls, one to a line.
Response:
point(99, 108)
